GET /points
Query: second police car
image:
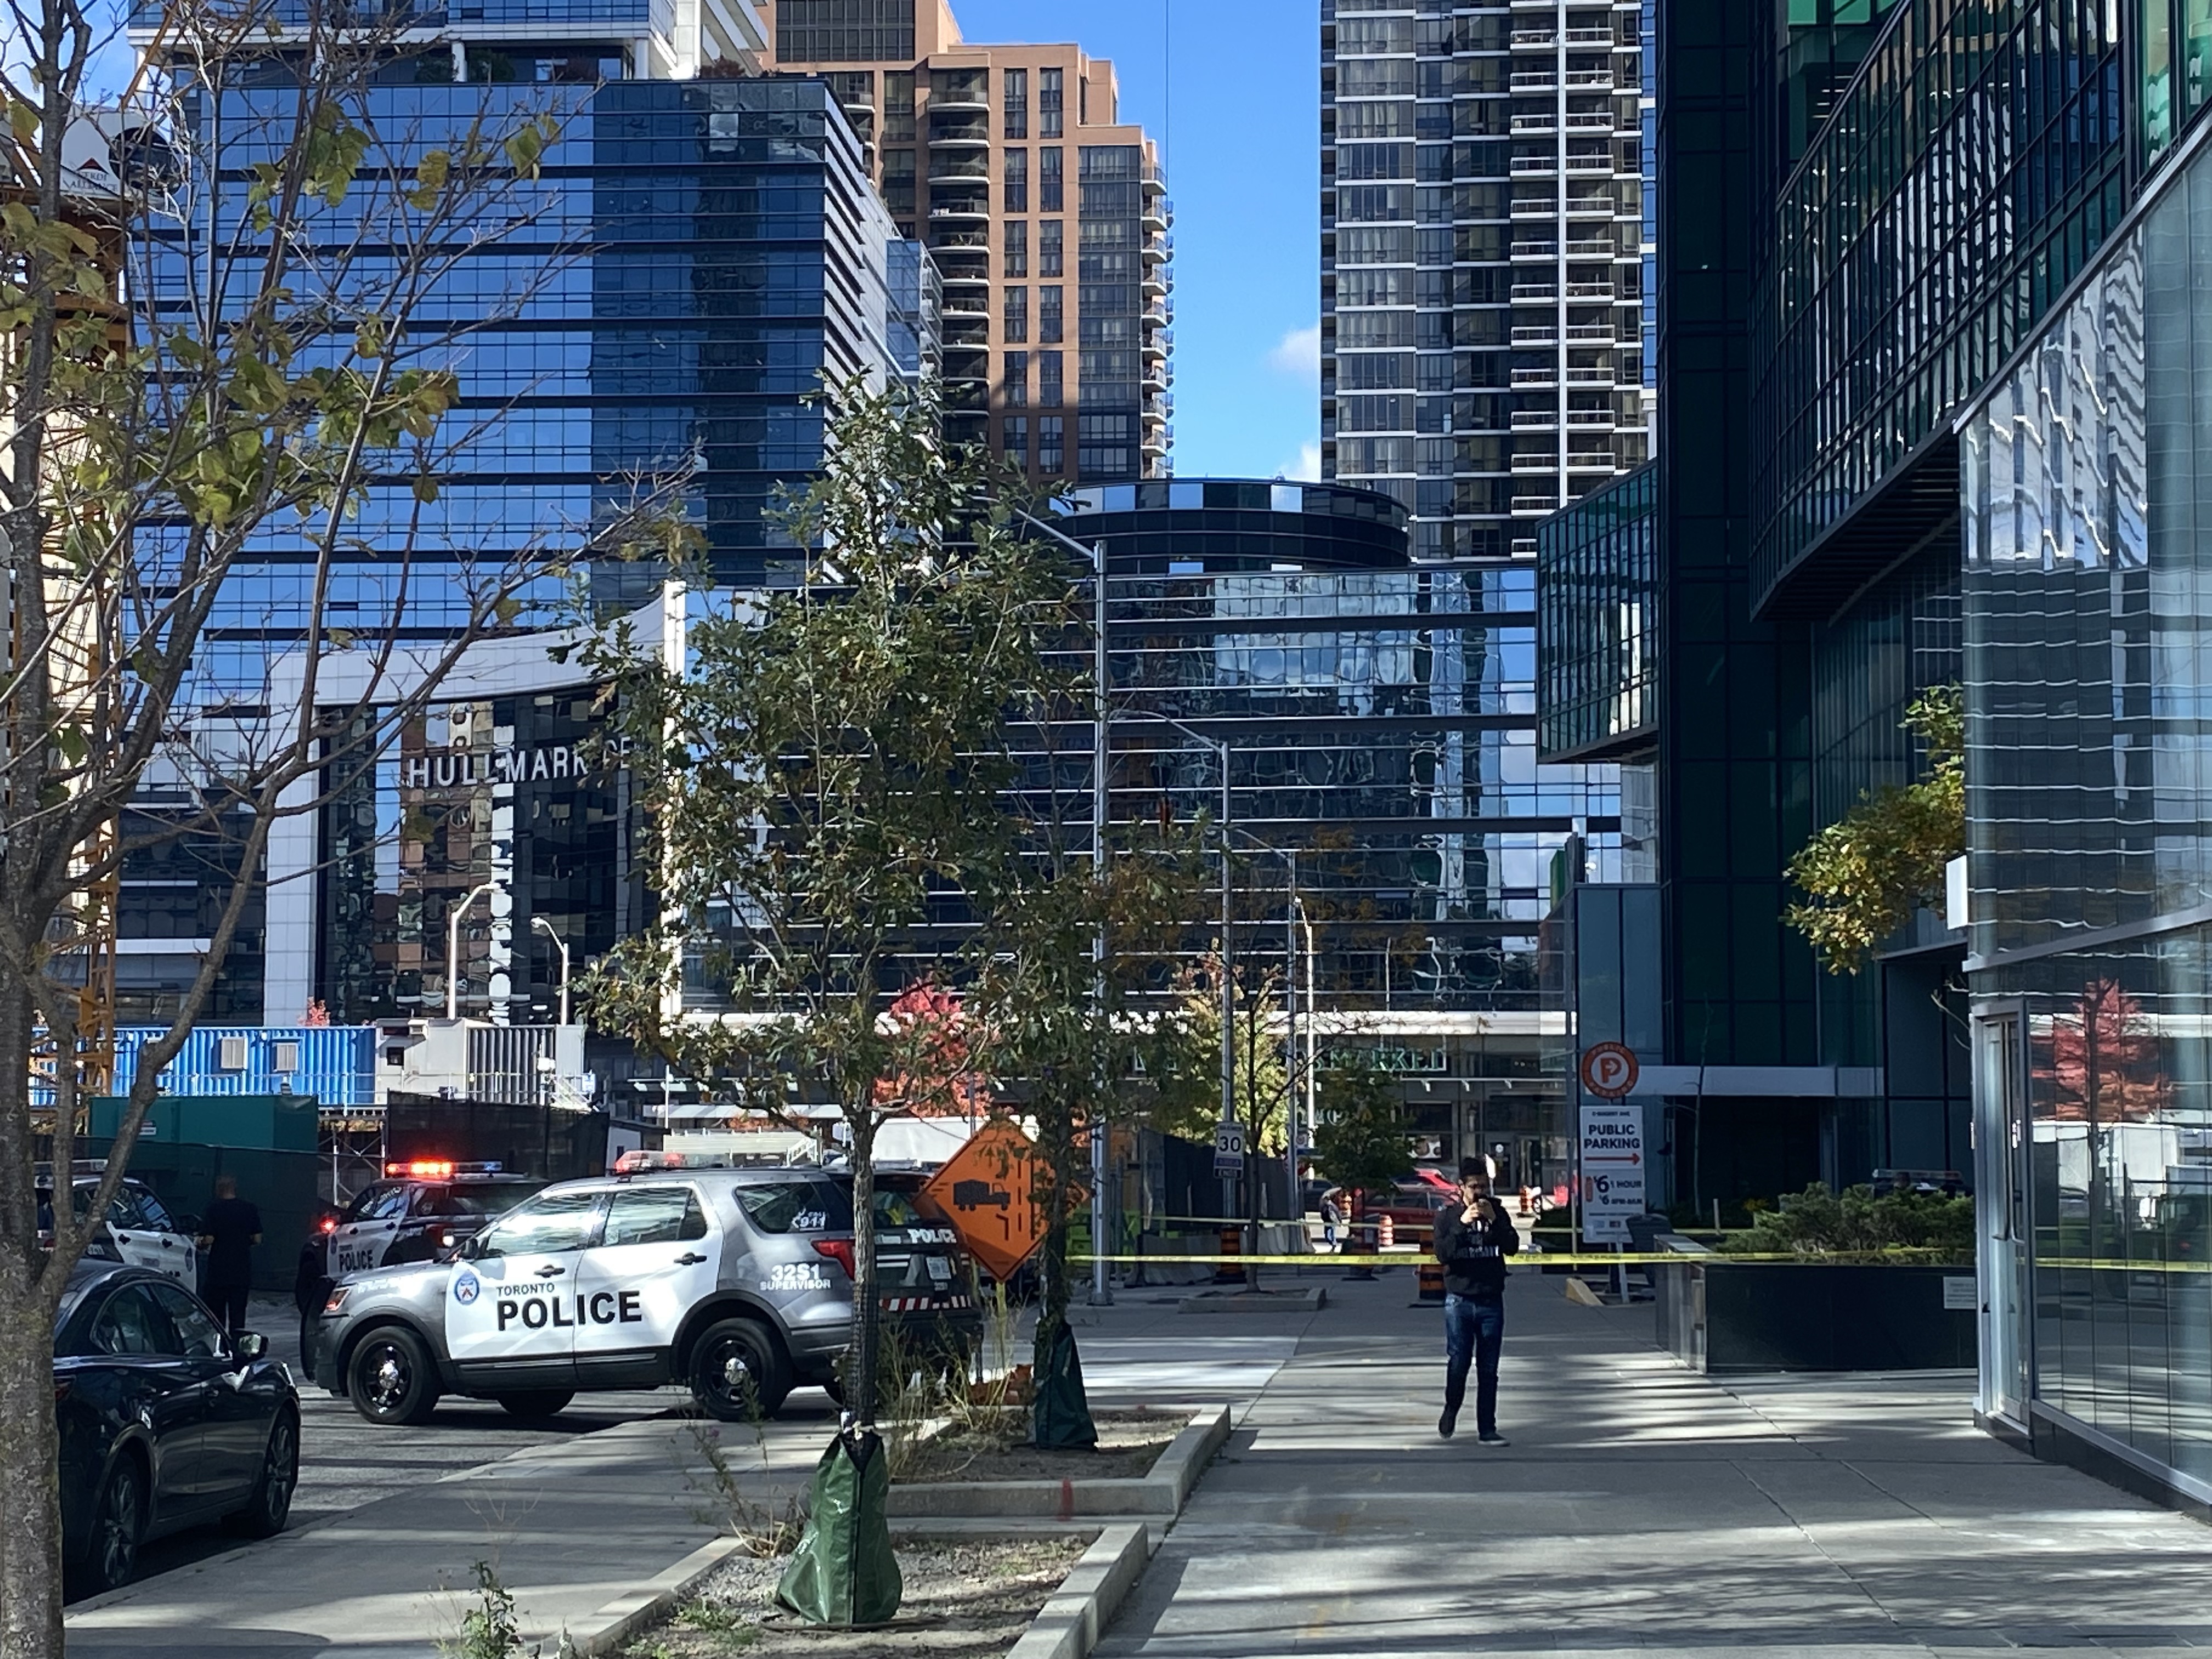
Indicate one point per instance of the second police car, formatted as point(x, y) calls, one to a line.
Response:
point(736, 1283)
point(422, 1207)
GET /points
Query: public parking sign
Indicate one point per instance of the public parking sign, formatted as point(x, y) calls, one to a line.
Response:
point(1611, 1169)
point(1228, 1150)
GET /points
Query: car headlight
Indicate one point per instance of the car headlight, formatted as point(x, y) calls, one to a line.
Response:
point(337, 1298)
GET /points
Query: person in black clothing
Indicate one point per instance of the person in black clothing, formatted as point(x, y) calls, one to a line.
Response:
point(228, 1232)
point(310, 1287)
point(1473, 1237)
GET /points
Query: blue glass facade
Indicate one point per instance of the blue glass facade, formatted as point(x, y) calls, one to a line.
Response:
point(2087, 492)
point(1597, 604)
point(655, 310)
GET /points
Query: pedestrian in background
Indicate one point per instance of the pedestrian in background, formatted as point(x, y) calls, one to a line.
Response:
point(1331, 1219)
point(228, 1232)
point(1473, 1237)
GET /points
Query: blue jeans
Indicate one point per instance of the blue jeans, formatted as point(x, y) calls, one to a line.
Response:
point(1474, 1331)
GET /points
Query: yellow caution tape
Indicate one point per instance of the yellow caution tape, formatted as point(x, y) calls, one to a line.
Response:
point(1525, 1259)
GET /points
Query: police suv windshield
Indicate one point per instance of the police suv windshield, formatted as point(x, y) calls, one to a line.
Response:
point(484, 1197)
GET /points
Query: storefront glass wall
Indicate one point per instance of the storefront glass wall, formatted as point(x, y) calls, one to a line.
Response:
point(2087, 492)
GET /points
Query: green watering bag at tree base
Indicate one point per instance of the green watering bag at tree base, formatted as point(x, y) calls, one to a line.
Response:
point(843, 1572)
point(1061, 1419)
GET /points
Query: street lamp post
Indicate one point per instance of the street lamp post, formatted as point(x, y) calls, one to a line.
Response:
point(561, 945)
point(454, 947)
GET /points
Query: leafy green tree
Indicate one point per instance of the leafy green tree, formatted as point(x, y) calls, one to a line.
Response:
point(1187, 1102)
point(1064, 1027)
point(823, 783)
point(163, 425)
point(1864, 874)
point(1361, 1141)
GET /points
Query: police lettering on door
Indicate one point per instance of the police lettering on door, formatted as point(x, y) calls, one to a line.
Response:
point(546, 1307)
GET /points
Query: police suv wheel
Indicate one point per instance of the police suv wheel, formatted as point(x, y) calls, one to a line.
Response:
point(391, 1378)
point(539, 1402)
point(739, 1372)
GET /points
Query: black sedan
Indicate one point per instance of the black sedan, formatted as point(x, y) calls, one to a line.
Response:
point(166, 1422)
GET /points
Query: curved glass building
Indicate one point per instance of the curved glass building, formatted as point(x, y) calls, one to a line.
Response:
point(1380, 718)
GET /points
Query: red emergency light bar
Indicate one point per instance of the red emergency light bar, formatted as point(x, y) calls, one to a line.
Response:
point(434, 1169)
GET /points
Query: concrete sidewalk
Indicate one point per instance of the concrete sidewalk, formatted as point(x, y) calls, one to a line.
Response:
point(1639, 1508)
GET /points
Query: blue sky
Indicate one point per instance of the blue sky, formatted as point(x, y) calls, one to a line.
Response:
point(1233, 88)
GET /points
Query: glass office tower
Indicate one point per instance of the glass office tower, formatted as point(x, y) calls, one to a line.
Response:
point(1377, 711)
point(661, 304)
point(2087, 489)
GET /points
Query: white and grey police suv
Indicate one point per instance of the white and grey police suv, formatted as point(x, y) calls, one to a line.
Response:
point(734, 1282)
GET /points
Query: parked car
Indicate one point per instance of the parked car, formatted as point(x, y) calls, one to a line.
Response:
point(166, 1422)
point(736, 1282)
point(139, 1231)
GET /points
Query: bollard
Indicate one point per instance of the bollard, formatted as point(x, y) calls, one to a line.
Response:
point(1232, 1244)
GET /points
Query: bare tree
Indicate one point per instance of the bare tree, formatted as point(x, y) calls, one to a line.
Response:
point(228, 339)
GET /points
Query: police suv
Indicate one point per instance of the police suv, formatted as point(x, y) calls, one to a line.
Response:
point(421, 1208)
point(736, 1282)
point(140, 1229)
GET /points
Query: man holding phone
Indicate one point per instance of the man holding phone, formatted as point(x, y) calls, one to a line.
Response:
point(1473, 1237)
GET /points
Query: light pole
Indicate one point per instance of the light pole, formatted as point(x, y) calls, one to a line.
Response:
point(454, 947)
point(1102, 1292)
point(561, 945)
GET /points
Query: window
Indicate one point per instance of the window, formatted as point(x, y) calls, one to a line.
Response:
point(1018, 315)
point(230, 1053)
point(797, 1207)
point(378, 1204)
point(1017, 247)
point(653, 1215)
point(1017, 182)
point(553, 1221)
point(1017, 380)
point(1014, 441)
point(842, 31)
point(960, 86)
point(1049, 97)
point(287, 1056)
point(1052, 455)
point(1048, 249)
point(1048, 301)
point(898, 106)
point(131, 1323)
point(1049, 392)
point(1049, 196)
point(1015, 85)
point(198, 1336)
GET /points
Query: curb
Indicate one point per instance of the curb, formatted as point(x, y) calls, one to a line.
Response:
point(1160, 1494)
point(1310, 1300)
point(1069, 1625)
point(648, 1604)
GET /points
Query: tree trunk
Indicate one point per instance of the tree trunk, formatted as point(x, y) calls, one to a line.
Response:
point(31, 1536)
point(867, 1304)
point(1056, 1129)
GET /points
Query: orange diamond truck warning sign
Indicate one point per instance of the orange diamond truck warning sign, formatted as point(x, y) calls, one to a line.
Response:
point(988, 1191)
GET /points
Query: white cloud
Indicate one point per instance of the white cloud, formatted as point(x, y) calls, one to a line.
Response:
point(1307, 467)
point(1298, 354)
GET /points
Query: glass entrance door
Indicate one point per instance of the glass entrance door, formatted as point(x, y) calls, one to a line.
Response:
point(2001, 1218)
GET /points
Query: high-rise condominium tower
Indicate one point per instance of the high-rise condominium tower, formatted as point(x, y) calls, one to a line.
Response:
point(1482, 259)
point(1048, 217)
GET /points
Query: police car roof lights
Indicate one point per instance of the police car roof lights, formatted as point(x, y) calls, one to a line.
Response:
point(645, 1160)
point(438, 1169)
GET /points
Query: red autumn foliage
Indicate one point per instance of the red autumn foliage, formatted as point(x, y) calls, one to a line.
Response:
point(2100, 1062)
point(938, 1081)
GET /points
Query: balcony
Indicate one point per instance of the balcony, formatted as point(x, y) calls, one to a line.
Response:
point(1590, 377)
point(1587, 122)
point(1152, 185)
point(1535, 420)
point(1157, 250)
point(959, 169)
point(1537, 379)
point(1582, 163)
point(1548, 461)
point(1590, 80)
point(1535, 507)
point(1589, 37)
point(1588, 207)
point(1591, 460)
point(1537, 126)
point(1590, 334)
point(955, 103)
point(1542, 80)
point(1157, 213)
point(1587, 419)
point(967, 212)
point(1590, 290)
point(967, 329)
point(1600, 250)
point(1154, 285)
point(1535, 250)
point(1533, 40)
point(1537, 210)
point(960, 136)
point(1536, 337)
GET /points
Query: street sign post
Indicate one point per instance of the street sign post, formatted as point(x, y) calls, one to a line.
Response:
point(1611, 1169)
point(1228, 1150)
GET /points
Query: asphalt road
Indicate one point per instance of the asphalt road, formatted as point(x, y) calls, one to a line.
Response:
point(346, 1463)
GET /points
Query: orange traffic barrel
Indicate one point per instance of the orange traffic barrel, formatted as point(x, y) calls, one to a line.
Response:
point(1389, 1234)
point(1230, 1272)
point(1428, 1276)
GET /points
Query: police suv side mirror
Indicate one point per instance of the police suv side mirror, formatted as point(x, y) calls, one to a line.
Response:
point(251, 1346)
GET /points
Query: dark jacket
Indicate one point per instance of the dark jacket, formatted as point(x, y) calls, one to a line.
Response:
point(1475, 1255)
